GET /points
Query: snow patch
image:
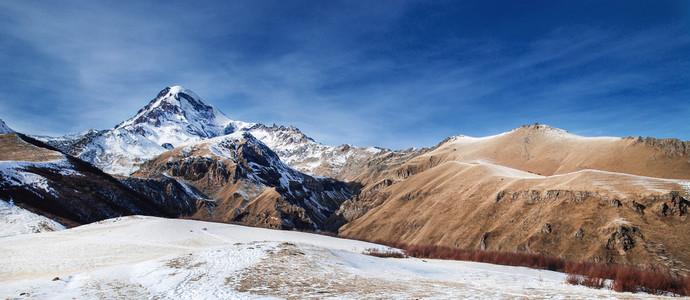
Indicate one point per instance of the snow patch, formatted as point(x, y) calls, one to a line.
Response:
point(15, 220)
point(146, 257)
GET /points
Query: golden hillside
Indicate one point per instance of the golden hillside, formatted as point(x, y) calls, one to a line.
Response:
point(12, 147)
point(539, 189)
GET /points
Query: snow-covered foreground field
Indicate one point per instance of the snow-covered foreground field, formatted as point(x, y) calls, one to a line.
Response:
point(146, 257)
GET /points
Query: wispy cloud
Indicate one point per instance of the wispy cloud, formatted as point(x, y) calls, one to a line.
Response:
point(365, 73)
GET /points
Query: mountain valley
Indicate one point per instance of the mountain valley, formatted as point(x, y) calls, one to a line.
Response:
point(534, 189)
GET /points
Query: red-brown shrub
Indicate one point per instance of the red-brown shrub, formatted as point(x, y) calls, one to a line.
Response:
point(625, 280)
point(531, 260)
point(594, 282)
point(590, 274)
point(575, 279)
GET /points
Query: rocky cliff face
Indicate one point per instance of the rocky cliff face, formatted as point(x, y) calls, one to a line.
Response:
point(671, 147)
point(174, 197)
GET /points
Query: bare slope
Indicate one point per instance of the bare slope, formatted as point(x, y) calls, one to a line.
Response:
point(487, 193)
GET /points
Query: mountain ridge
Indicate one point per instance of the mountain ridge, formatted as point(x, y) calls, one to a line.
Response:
point(608, 199)
point(177, 116)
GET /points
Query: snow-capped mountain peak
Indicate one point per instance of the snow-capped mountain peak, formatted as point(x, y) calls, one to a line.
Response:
point(4, 128)
point(181, 108)
point(176, 117)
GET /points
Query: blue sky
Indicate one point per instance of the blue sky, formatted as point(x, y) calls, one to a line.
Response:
point(394, 74)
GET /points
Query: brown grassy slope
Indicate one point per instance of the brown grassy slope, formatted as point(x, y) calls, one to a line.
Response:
point(453, 197)
point(14, 148)
point(547, 151)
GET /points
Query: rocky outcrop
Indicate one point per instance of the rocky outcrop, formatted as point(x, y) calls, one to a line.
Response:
point(622, 238)
point(674, 204)
point(671, 147)
point(536, 196)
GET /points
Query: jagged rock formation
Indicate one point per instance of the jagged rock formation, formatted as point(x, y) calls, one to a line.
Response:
point(45, 181)
point(344, 162)
point(671, 147)
point(174, 197)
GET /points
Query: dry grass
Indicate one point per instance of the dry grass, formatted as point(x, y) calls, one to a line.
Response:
point(308, 273)
point(12, 147)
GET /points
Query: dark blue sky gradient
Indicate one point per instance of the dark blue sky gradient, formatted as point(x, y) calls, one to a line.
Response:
point(394, 74)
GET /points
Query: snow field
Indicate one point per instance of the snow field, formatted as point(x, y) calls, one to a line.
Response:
point(154, 258)
point(15, 220)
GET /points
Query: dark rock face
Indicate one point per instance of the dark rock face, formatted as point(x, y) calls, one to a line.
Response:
point(483, 242)
point(546, 228)
point(671, 147)
point(674, 205)
point(622, 239)
point(639, 208)
point(77, 147)
point(162, 93)
point(172, 197)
